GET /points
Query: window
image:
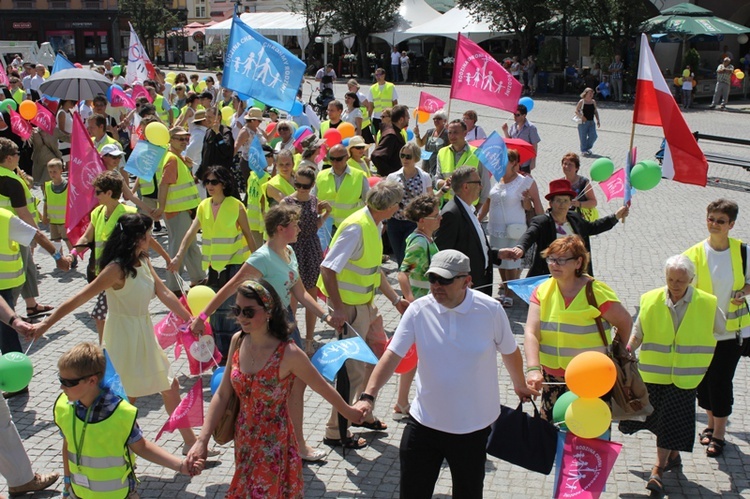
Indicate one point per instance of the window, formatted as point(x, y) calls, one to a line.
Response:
point(92, 5)
point(200, 11)
point(58, 4)
point(95, 43)
point(63, 40)
point(24, 4)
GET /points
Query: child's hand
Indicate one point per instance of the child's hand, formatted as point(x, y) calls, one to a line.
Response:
point(192, 469)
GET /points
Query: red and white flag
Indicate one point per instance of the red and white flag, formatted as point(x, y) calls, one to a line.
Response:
point(44, 119)
point(189, 414)
point(429, 103)
point(654, 106)
point(140, 67)
point(479, 78)
point(85, 164)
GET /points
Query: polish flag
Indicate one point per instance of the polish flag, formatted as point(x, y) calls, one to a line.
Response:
point(189, 414)
point(654, 106)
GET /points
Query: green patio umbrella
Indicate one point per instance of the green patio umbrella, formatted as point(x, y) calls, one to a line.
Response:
point(689, 20)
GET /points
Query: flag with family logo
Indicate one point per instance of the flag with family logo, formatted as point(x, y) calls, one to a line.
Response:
point(18, 125)
point(261, 68)
point(329, 359)
point(60, 64)
point(44, 119)
point(145, 159)
point(256, 158)
point(188, 414)
point(582, 466)
point(493, 153)
point(85, 164)
point(429, 103)
point(479, 78)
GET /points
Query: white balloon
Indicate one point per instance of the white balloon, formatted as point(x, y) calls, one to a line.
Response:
point(742, 39)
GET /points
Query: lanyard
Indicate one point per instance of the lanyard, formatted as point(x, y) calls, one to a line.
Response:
point(79, 443)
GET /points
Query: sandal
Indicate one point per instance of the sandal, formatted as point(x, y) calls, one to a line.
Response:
point(401, 413)
point(705, 436)
point(317, 455)
point(715, 447)
point(38, 310)
point(376, 425)
point(674, 463)
point(348, 443)
point(655, 484)
point(507, 302)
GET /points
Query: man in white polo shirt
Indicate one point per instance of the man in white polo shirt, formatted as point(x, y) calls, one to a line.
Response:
point(458, 333)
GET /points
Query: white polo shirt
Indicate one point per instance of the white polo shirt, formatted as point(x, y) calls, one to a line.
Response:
point(457, 381)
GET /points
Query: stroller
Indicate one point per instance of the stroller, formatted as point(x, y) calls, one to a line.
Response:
point(321, 102)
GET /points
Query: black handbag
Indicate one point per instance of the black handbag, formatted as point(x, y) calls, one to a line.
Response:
point(524, 440)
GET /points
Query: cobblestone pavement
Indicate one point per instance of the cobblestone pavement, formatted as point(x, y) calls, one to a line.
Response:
point(663, 222)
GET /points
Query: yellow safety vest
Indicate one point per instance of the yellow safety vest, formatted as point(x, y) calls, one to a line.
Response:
point(11, 265)
point(360, 278)
point(256, 193)
point(676, 357)
point(183, 194)
point(359, 166)
point(378, 136)
point(105, 461)
point(280, 184)
point(19, 95)
point(347, 199)
point(566, 332)
point(30, 200)
point(736, 314)
point(162, 113)
point(107, 140)
point(103, 227)
point(223, 241)
point(382, 98)
point(56, 203)
point(447, 162)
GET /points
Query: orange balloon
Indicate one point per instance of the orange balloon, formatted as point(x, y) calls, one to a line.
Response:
point(27, 110)
point(346, 129)
point(590, 374)
point(423, 116)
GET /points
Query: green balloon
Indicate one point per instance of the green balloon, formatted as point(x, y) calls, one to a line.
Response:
point(274, 142)
point(561, 405)
point(16, 371)
point(602, 169)
point(645, 175)
point(116, 70)
point(175, 111)
point(4, 105)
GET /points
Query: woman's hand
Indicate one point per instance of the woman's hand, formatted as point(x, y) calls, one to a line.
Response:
point(324, 207)
point(197, 327)
point(355, 415)
point(738, 298)
point(534, 380)
point(309, 347)
point(196, 457)
point(174, 264)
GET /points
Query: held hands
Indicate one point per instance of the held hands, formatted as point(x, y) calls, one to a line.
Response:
point(195, 469)
point(196, 458)
point(356, 413)
point(24, 329)
point(63, 264)
point(36, 331)
point(197, 327)
point(174, 264)
point(364, 408)
point(510, 253)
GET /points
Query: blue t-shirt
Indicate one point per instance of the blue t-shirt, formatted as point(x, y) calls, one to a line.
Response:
point(276, 271)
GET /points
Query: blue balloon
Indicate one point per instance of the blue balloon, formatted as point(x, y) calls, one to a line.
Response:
point(409, 134)
point(216, 378)
point(296, 109)
point(345, 142)
point(528, 102)
point(300, 131)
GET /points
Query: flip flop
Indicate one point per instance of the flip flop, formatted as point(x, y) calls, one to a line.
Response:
point(655, 485)
point(376, 425)
point(348, 443)
point(507, 302)
point(401, 414)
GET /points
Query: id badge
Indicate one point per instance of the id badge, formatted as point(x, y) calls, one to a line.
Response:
point(81, 480)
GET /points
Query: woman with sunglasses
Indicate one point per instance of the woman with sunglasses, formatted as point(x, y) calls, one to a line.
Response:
point(561, 322)
point(265, 368)
point(307, 248)
point(415, 182)
point(130, 282)
point(276, 262)
point(179, 96)
point(357, 150)
point(353, 114)
point(281, 184)
point(226, 244)
point(433, 140)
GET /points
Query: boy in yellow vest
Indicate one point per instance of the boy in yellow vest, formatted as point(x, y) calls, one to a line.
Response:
point(101, 464)
point(55, 205)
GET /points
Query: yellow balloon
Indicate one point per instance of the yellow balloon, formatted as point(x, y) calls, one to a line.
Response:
point(198, 298)
point(739, 74)
point(46, 73)
point(588, 417)
point(201, 85)
point(686, 73)
point(226, 113)
point(157, 134)
point(679, 81)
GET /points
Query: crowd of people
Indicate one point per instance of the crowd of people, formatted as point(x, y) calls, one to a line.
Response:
point(323, 219)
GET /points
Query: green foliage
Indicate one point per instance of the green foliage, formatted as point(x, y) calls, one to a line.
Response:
point(603, 53)
point(150, 18)
point(693, 59)
point(616, 21)
point(317, 15)
point(549, 54)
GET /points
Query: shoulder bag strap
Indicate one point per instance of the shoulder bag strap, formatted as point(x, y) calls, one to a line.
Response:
point(592, 301)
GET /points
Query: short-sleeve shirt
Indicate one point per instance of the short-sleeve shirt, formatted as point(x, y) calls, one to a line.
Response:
point(417, 257)
point(281, 275)
point(527, 132)
point(724, 77)
point(11, 188)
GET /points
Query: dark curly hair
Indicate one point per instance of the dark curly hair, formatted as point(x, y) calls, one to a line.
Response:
point(121, 246)
point(224, 176)
point(422, 206)
point(278, 325)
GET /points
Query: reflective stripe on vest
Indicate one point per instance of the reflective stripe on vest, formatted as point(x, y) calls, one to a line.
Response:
point(348, 199)
point(183, 194)
point(382, 99)
point(219, 247)
point(56, 203)
point(676, 357)
point(358, 279)
point(12, 274)
point(256, 195)
point(30, 201)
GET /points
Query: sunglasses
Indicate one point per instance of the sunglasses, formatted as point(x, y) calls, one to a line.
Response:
point(284, 129)
point(436, 279)
point(212, 181)
point(716, 221)
point(299, 185)
point(70, 383)
point(338, 158)
point(248, 312)
point(405, 156)
point(358, 147)
point(516, 114)
point(182, 139)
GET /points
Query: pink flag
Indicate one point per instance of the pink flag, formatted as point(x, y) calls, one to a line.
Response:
point(18, 125)
point(189, 414)
point(167, 330)
point(140, 91)
point(44, 119)
point(583, 467)
point(479, 78)
point(3, 74)
point(429, 103)
point(85, 164)
point(118, 98)
point(298, 141)
point(614, 186)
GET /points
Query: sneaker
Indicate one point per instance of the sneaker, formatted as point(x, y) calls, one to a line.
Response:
point(39, 482)
point(712, 106)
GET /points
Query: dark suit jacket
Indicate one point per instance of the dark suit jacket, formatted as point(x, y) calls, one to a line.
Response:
point(218, 149)
point(457, 232)
point(385, 156)
point(543, 232)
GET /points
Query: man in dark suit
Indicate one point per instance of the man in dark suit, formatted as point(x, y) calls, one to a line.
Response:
point(560, 221)
point(460, 229)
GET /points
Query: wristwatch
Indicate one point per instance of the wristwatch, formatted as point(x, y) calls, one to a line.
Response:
point(367, 397)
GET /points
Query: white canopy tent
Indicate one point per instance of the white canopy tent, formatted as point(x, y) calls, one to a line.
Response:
point(450, 24)
point(411, 13)
point(268, 24)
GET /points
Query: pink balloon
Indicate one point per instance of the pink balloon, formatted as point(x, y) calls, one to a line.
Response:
point(332, 137)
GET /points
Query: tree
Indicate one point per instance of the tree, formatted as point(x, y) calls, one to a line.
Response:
point(616, 21)
point(362, 18)
point(317, 14)
point(150, 18)
point(521, 17)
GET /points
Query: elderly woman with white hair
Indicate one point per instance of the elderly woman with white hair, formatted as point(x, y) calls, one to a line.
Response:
point(675, 331)
point(433, 140)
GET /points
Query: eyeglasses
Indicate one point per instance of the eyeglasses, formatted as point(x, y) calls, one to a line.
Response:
point(211, 181)
point(248, 312)
point(716, 221)
point(473, 182)
point(182, 139)
point(70, 383)
point(97, 192)
point(299, 185)
point(559, 261)
point(516, 114)
point(437, 119)
point(338, 158)
point(436, 279)
point(405, 156)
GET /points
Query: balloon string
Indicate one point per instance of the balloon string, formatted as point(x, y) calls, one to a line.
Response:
point(29, 348)
point(554, 383)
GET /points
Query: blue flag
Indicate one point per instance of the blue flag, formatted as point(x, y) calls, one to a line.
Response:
point(256, 157)
point(60, 64)
point(493, 153)
point(145, 159)
point(260, 68)
point(524, 287)
point(329, 359)
point(628, 167)
point(111, 379)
